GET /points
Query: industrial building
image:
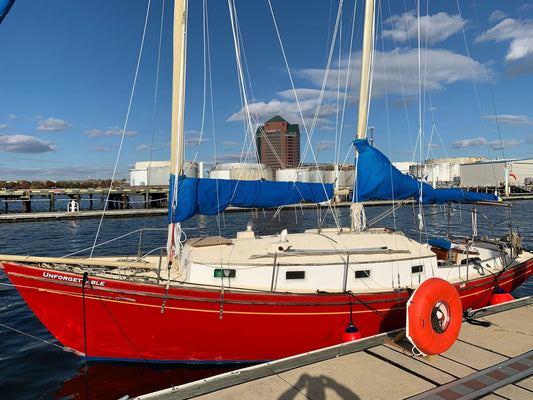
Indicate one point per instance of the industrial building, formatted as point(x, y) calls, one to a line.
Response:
point(498, 173)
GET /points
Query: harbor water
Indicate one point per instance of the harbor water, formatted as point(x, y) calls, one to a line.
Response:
point(33, 365)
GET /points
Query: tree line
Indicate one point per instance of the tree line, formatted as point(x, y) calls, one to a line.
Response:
point(88, 184)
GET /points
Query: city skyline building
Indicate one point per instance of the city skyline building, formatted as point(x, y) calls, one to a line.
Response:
point(278, 144)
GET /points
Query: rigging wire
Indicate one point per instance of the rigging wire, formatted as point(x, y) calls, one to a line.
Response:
point(491, 96)
point(346, 86)
point(393, 208)
point(124, 128)
point(308, 135)
point(397, 58)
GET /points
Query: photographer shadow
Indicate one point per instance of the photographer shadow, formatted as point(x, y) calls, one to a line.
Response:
point(315, 387)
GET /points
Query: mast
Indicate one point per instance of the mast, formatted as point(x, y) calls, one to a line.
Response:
point(178, 86)
point(366, 56)
point(357, 214)
point(178, 111)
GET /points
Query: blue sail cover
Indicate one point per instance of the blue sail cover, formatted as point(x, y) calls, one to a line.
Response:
point(5, 5)
point(377, 178)
point(212, 196)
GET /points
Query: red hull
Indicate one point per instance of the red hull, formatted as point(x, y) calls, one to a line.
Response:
point(124, 321)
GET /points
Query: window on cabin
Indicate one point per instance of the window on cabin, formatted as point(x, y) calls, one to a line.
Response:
point(365, 273)
point(224, 273)
point(295, 275)
point(416, 269)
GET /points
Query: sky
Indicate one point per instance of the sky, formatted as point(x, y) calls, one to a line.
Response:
point(69, 70)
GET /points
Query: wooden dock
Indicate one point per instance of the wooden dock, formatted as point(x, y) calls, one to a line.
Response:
point(492, 359)
point(57, 216)
point(117, 198)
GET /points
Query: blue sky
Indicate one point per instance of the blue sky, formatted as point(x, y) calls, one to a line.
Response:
point(68, 68)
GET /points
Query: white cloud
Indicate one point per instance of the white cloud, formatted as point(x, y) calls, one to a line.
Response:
point(4, 126)
point(231, 146)
point(194, 141)
point(497, 15)
point(92, 133)
point(228, 158)
point(498, 145)
point(513, 120)
point(395, 73)
point(195, 138)
point(323, 145)
point(475, 142)
point(480, 141)
point(52, 125)
point(290, 111)
point(305, 94)
point(100, 148)
point(12, 117)
point(142, 147)
point(24, 144)
point(519, 32)
point(111, 131)
point(434, 28)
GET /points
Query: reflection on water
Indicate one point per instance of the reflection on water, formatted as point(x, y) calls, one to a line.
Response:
point(116, 381)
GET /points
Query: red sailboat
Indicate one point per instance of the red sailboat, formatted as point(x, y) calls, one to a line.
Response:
point(252, 298)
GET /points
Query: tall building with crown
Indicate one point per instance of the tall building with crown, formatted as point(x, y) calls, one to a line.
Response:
point(278, 144)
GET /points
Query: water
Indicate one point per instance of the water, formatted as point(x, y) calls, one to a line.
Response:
point(33, 368)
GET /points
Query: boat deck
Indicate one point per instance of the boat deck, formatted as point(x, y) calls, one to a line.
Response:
point(492, 359)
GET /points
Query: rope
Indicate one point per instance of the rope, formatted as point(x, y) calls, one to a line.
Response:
point(84, 281)
point(64, 348)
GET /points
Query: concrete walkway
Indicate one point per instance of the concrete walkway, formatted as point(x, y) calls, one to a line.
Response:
point(481, 364)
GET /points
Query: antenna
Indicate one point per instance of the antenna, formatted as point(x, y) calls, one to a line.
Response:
point(371, 135)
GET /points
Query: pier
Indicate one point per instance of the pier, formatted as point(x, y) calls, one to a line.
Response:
point(493, 356)
point(58, 199)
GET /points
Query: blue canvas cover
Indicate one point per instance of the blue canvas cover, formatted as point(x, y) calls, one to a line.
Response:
point(5, 5)
point(212, 196)
point(377, 178)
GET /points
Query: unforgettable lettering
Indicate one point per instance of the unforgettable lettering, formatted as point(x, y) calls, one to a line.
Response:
point(71, 279)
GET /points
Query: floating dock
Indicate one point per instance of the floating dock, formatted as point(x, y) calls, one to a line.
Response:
point(492, 359)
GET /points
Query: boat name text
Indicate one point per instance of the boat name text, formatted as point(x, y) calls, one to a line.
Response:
point(72, 279)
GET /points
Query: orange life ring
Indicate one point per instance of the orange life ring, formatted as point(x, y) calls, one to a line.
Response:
point(434, 316)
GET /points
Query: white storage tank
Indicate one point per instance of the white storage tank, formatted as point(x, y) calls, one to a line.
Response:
point(329, 176)
point(303, 175)
point(316, 176)
point(287, 175)
point(224, 174)
point(241, 171)
point(346, 179)
point(190, 169)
